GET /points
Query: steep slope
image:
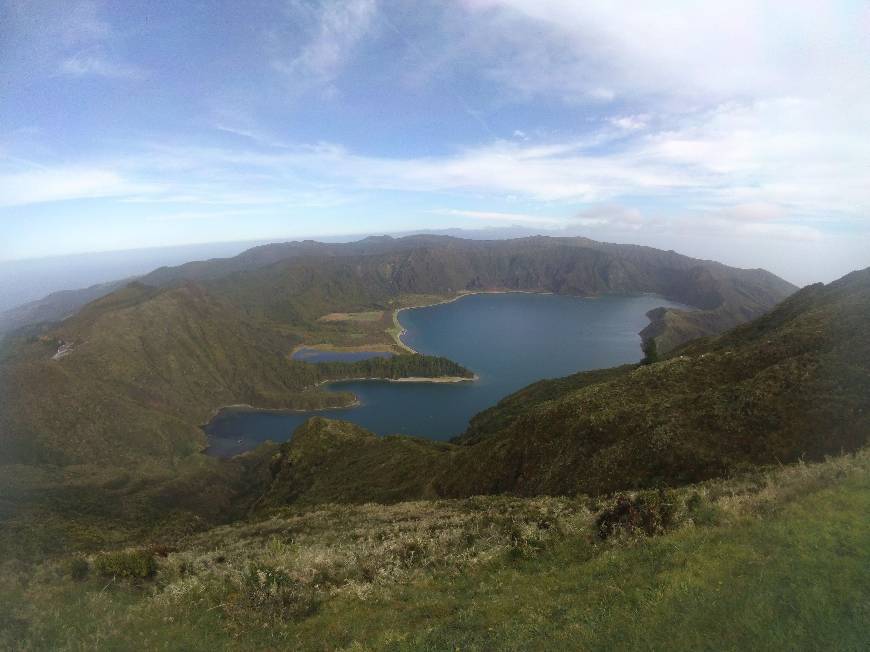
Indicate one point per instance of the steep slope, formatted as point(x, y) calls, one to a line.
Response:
point(136, 372)
point(372, 274)
point(297, 282)
point(55, 307)
point(340, 462)
point(139, 369)
point(794, 384)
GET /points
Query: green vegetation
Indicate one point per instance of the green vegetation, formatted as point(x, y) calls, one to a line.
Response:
point(370, 316)
point(102, 446)
point(296, 284)
point(499, 416)
point(774, 559)
point(792, 385)
point(152, 366)
point(650, 351)
point(54, 307)
point(412, 365)
point(126, 564)
point(292, 285)
point(147, 364)
point(146, 368)
point(682, 503)
point(48, 510)
point(334, 461)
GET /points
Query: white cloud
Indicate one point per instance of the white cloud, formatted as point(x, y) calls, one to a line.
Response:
point(767, 161)
point(601, 94)
point(46, 39)
point(504, 218)
point(630, 122)
point(64, 183)
point(82, 65)
point(797, 232)
point(616, 222)
point(769, 169)
point(806, 155)
point(333, 30)
point(614, 217)
point(708, 51)
point(241, 123)
point(740, 117)
point(755, 212)
point(754, 102)
point(544, 172)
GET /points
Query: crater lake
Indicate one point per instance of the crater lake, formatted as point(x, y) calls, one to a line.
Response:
point(508, 339)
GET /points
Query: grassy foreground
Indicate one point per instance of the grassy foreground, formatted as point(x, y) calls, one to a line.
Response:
point(778, 559)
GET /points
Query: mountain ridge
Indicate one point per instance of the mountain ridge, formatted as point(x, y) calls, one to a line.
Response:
point(149, 362)
point(588, 267)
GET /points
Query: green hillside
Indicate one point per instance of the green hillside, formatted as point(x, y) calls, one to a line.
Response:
point(773, 559)
point(55, 307)
point(606, 509)
point(145, 367)
point(790, 385)
point(295, 283)
point(794, 384)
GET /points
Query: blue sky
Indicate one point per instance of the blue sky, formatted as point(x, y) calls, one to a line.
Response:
point(731, 130)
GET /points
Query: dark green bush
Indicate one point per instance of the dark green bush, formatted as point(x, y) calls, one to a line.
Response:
point(648, 512)
point(702, 511)
point(650, 350)
point(78, 568)
point(129, 564)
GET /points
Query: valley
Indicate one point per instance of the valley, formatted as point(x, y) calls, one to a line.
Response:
point(466, 326)
point(571, 451)
point(508, 340)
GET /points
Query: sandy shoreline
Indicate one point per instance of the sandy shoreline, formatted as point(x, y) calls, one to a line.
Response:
point(398, 331)
point(408, 379)
point(424, 379)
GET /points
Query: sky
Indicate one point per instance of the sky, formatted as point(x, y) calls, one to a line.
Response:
point(732, 130)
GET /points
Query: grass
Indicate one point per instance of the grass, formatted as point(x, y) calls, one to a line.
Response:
point(776, 559)
point(796, 580)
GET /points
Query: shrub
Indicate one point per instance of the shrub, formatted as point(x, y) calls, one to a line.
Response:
point(162, 550)
point(78, 568)
point(526, 539)
point(650, 350)
point(130, 564)
point(702, 511)
point(271, 592)
point(648, 512)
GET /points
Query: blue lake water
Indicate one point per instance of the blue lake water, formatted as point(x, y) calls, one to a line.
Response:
point(508, 340)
